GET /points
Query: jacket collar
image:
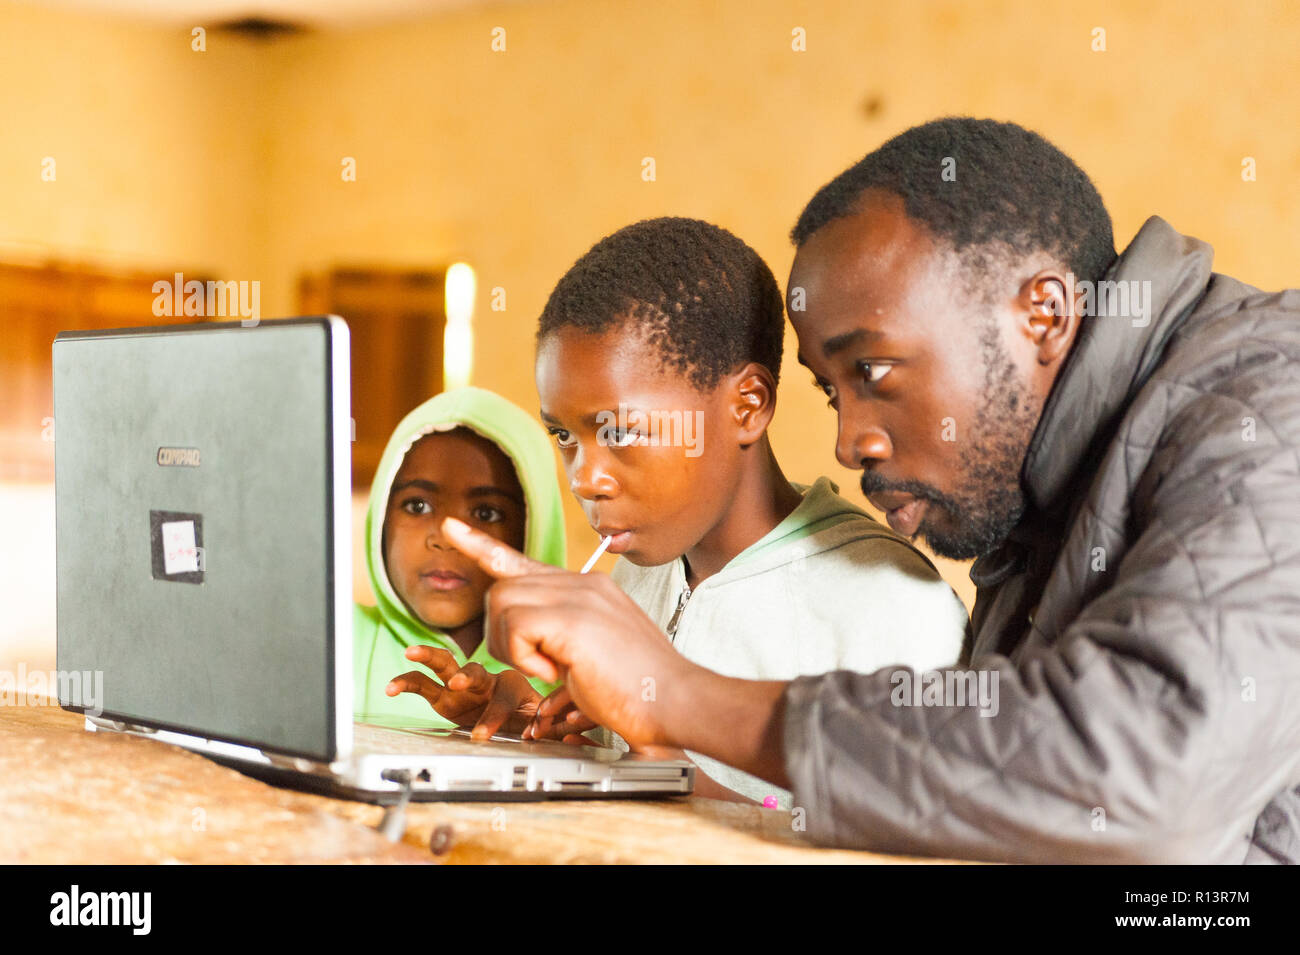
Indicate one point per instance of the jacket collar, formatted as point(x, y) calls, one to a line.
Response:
point(1115, 354)
point(1111, 360)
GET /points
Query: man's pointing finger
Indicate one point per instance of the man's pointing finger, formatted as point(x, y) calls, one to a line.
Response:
point(498, 559)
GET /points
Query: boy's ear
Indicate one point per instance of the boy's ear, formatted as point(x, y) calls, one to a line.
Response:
point(753, 395)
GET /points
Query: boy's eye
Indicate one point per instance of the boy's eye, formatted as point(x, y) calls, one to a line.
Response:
point(623, 439)
point(873, 371)
point(562, 438)
point(828, 390)
point(416, 506)
point(487, 514)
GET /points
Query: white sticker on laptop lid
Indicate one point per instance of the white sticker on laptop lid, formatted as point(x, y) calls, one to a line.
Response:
point(180, 556)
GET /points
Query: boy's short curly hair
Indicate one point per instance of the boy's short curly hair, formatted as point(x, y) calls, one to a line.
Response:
point(703, 299)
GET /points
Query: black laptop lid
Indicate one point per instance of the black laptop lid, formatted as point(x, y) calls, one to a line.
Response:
point(203, 515)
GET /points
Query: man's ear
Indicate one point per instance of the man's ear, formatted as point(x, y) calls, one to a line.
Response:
point(1049, 303)
point(753, 402)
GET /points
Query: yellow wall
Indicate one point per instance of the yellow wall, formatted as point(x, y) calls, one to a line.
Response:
point(518, 161)
point(148, 137)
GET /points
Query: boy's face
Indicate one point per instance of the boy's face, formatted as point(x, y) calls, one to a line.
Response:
point(449, 474)
point(662, 498)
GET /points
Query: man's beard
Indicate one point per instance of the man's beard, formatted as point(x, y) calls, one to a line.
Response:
point(990, 500)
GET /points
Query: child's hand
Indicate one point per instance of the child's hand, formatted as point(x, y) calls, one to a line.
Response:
point(558, 717)
point(470, 695)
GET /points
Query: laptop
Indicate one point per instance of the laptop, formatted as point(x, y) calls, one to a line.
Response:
point(203, 509)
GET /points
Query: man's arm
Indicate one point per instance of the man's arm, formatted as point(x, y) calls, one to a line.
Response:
point(738, 722)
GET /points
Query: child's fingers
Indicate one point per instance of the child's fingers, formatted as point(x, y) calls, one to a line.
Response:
point(495, 714)
point(472, 678)
point(578, 722)
point(548, 727)
point(415, 682)
point(498, 559)
point(558, 715)
point(559, 700)
point(535, 726)
point(550, 710)
point(436, 659)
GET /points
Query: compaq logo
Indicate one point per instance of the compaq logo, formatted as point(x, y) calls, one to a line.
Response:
point(178, 457)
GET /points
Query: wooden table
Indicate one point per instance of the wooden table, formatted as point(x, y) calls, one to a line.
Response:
point(70, 796)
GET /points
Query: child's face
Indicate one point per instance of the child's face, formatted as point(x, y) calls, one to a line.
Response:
point(667, 497)
point(450, 474)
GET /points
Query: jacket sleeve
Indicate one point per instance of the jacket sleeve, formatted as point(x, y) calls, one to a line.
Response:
point(1155, 728)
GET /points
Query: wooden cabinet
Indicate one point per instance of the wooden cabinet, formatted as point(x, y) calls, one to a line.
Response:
point(36, 303)
point(396, 320)
point(395, 317)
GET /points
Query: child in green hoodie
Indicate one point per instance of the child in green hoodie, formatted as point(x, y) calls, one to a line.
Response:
point(469, 454)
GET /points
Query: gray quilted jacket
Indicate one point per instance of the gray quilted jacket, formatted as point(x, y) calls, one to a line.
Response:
point(1142, 623)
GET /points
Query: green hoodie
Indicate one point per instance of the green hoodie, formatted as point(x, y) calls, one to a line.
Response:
point(382, 633)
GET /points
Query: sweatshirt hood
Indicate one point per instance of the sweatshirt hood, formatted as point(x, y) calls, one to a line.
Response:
point(822, 521)
point(519, 437)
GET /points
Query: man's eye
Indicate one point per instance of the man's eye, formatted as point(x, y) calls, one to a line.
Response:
point(873, 371)
point(489, 515)
point(416, 505)
point(562, 438)
point(623, 439)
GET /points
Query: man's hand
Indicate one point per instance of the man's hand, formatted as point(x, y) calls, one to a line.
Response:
point(581, 628)
point(470, 695)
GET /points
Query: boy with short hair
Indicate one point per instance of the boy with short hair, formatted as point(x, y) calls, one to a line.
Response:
point(658, 355)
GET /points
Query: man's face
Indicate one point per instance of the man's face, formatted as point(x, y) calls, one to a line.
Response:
point(448, 474)
point(656, 501)
point(937, 396)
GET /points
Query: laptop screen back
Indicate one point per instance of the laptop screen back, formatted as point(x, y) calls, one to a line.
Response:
point(200, 510)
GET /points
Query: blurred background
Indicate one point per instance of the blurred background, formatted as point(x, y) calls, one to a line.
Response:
point(412, 164)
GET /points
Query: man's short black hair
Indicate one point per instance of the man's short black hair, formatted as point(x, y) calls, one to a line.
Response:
point(1005, 186)
point(703, 298)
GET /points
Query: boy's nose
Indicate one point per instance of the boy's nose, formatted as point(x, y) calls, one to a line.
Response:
point(590, 480)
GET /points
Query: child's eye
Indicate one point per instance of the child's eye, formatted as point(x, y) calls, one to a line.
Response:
point(416, 506)
point(487, 514)
point(562, 438)
point(623, 439)
point(872, 372)
point(828, 390)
